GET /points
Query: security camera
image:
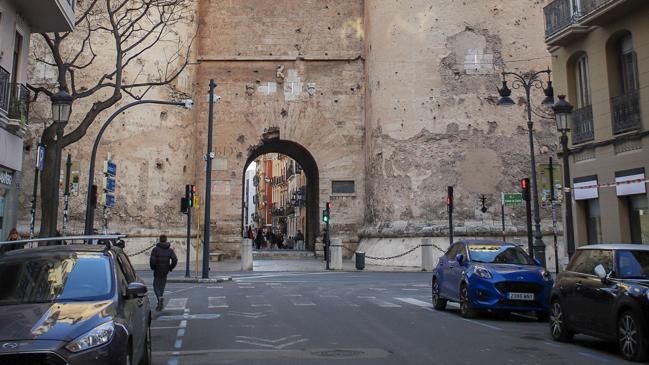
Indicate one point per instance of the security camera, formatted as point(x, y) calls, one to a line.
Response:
point(189, 103)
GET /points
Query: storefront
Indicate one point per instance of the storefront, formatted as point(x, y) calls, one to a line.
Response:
point(11, 148)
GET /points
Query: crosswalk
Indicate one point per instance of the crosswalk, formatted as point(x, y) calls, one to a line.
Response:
point(264, 302)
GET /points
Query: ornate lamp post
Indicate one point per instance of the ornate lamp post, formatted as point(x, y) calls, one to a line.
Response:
point(562, 110)
point(61, 110)
point(528, 81)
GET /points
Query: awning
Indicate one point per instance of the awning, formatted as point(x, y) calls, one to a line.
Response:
point(585, 188)
point(630, 182)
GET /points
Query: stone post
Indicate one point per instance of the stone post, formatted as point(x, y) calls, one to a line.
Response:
point(426, 254)
point(336, 252)
point(246, 254)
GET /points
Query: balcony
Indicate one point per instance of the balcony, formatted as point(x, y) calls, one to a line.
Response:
point(565, 20)
point(626, 113)
point(47, 15)
point(14, 102)
point(582, 125)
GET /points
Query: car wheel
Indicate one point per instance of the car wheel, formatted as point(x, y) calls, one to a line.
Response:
point(558, 329)
point(542, 316)
point(466, 309)
point(631, 338)
point(439, 303)
point(146, 354)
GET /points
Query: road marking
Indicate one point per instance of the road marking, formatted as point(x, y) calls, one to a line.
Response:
point(378, 289)
point(183, 323)
point(165, 328)
point(258, 301)
point(248, 315)
point(429, 306)
point(594, 357)
point(300, 301)
point(214, 287)
point(552, 344)
point(188, 317)
point(172, 361)
point(363, 297)
point(180, 332)
point(384, 303)
point(277, 344)
point(284, 275)
point(176, 304)
point(217, 302)
point(410, 289)
point(178, 344)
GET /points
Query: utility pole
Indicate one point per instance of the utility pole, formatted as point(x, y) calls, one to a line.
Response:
point(66, 194)
point(554, 217)
point(502, 214)
point(449, 204)
point(525, 185)
point(208, 181)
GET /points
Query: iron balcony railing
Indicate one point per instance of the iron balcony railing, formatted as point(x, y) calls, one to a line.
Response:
point(560, 14)
point(626, 113)
point(18, 102)
point(582, 125)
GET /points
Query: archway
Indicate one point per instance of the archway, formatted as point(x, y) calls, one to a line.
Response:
point(304, 158)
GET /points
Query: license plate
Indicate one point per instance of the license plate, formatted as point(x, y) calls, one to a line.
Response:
point(520, 296)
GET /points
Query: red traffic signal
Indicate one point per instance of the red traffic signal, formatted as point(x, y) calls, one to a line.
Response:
point(193, 189)
point(329, 205)
point(449, 198)
point(525, 186)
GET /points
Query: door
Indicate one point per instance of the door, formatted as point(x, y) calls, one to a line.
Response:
point(455, 270)
point(598, 297)
point(134, 309)
point(571, 286)
point(447, 264)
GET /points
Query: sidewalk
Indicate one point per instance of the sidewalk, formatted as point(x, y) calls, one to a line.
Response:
point(222, 268)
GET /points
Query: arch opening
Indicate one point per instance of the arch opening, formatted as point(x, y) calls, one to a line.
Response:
point(310, 194)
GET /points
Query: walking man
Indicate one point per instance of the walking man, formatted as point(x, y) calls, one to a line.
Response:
point(163, 260)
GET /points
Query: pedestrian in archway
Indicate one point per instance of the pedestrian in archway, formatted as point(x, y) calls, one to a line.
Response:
point(259, 240)
point(249, 234)
point(162, 261)
point(299, 240)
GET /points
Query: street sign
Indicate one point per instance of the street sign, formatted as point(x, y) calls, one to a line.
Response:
point(108, 200)
point(512, 199)
point(109, 184)
point(40, 158)
point(110, 168)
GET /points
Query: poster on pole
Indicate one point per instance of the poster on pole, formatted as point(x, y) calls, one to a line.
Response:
point(545, 185)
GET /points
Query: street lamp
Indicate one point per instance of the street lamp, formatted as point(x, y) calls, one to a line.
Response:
point(527, 81)
point(562, 110)
point(61, 108)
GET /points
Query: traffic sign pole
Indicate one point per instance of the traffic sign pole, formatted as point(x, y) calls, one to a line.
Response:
point(502, 213)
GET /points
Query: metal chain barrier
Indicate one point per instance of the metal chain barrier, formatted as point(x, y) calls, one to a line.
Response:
point(142, 251)
point(395, 256)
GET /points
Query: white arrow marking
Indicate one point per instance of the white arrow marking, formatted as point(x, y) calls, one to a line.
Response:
point(271, 343)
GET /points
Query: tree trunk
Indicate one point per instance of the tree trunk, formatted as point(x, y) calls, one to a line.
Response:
point(50, 189)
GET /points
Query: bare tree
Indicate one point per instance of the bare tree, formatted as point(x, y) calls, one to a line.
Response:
point(127, 31)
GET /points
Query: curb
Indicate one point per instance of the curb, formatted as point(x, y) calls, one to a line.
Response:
point(200, 281)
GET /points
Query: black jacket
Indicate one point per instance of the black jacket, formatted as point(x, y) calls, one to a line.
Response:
point(163, 259)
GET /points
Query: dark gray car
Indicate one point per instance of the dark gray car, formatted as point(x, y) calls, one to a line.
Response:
point(72, 304)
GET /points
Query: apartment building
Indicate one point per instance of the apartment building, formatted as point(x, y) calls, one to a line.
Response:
point(600, 52)
point(18, 20)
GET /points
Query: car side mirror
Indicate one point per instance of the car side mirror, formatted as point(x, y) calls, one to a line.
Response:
point(136, 290)
point(537, 261)
point(460, 258)
point(600, 271)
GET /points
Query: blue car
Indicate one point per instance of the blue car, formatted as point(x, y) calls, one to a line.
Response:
point(489, 275)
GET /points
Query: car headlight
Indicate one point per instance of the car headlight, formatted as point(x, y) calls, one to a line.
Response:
point(546, 275)
point(93, 338)
point(483, 272)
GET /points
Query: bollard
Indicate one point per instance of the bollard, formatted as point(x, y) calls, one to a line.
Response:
point(246, 254)
point(426, 254)
point(336, 251)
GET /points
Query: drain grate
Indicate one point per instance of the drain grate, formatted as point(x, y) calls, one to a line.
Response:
point(338, 353)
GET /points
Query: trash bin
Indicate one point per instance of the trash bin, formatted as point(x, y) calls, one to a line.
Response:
point(360, 260)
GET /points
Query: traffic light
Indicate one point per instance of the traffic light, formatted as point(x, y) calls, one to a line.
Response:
point(449, 199)
point(525, 186)
point(184, 205)
point(93, 196)
point(326, 212)
point(189, 194)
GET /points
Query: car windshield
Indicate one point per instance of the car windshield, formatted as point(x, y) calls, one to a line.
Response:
point(73, 277)
point(499, 254)
point(633, 264)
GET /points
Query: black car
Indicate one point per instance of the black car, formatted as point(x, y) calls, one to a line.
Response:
point(72, 304)
point(604, 292)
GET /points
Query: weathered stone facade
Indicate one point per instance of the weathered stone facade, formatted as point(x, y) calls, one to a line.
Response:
point(395, 95)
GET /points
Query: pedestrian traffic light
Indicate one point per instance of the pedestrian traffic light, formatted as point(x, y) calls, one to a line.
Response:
point(449, 199)
point(189, 194)
point(326, 212)
point(525, 186)
point(184, 205)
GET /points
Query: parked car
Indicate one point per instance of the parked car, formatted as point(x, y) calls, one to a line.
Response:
point(604, 292)
point(72, 304)
point(489, 275)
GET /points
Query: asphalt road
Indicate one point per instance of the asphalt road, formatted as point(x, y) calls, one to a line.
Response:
point(346, 318)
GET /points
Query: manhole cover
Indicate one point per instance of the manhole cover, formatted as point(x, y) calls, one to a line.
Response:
point(338, 353)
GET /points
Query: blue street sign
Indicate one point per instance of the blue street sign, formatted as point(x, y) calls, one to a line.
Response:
point(40, 158)
point(110, 168)
point(109, 184)
point(109, 200)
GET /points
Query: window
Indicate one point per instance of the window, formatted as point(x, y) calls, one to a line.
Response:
point(18, 46)
point(628, 65)
point(593, 222)
point(582, 82)
point(343, 187)
point(639, 218)
point(633, 264)
point(453, 251)
point(585, 261)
